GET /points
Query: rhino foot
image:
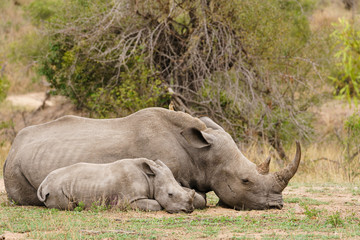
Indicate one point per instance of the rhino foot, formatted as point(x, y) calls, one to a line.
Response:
point(199, 199)
point(146, 205)
point(222, 204)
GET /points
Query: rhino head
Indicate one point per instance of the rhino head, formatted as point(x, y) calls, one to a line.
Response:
point(167, 191)
point(238, 182)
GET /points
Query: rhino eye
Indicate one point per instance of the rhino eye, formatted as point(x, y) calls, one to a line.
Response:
point(170, 195)
point(245, 180)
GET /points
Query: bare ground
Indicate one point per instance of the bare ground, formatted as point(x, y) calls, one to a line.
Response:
point(31, 109)
point(2, 186)
point(31, 101)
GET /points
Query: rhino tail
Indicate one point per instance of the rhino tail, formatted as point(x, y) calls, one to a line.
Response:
point(41, 193)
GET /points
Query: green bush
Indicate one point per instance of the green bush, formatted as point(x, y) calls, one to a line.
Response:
point(4, 83)
point(346, 79)
point(80, 207)
point(27, 49)
point(243, 63)
point(335, 220)
point(41, 10)
point(312, 212)
point(351, 144)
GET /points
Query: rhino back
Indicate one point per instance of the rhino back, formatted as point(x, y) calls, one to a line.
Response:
point(93, 182)
point(152, 133)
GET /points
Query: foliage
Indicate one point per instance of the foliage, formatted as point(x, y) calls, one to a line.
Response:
point(32, 47)
point(97, 207)
point(243, 63)
point(41, 10)
point(348, 137)
point(335, 220)
point(4, 83)
point(346, 79)
point(312, 212)
point(80, 207)
point(351, 147)
point(6, 124)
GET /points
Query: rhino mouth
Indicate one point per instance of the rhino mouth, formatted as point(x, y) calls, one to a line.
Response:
point(270, 205)
point(276, 205)
point(181, 210)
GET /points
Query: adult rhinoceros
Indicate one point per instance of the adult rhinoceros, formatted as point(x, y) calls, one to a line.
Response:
point(201, 155)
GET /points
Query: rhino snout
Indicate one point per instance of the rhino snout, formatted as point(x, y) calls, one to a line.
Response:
point(185, 210)
point(190, 210)
point(276, 205)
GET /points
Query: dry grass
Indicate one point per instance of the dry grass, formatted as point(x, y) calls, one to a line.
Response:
point(323, 163)
point(320, 162)
point(328, 12)
point(323, 160)
point(4, 150)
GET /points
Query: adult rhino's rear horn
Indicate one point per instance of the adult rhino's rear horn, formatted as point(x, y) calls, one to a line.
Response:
point(263, 168)
point(283, 176)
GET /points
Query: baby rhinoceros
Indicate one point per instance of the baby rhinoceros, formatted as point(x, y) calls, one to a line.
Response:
point(140, 182)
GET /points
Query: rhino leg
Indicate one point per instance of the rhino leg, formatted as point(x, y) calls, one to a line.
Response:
point(146, 205)
point(222, 204)
point(199, 199)
point(18, 188)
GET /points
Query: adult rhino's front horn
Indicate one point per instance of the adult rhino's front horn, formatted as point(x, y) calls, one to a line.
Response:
point(283, 176)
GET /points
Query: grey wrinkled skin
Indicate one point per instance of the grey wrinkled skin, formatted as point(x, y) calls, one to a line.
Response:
point(200, 154)
point(141, 183)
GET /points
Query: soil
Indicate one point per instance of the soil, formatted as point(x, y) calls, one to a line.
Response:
point(12, 236)
point(34, 108)
point(31, 101)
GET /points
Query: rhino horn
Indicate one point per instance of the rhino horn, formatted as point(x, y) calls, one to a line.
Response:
point(263, 168)
point(283, 176)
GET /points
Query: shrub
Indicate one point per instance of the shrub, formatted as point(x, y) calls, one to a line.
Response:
point(346, 78)
point(312, 212)
point(80, 207)
point(41, 10)
point(4, 83)
point(351, 147)
point(243, 63)
point(335, 220)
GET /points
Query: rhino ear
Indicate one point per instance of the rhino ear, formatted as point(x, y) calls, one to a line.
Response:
point(160, 163)
point(192, 193)
point(197, 138)
point(211, 124)
point(148, 169)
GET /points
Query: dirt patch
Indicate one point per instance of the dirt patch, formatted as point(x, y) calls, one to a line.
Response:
point(31, 109)
point(2, 186)
point(330, 199)
point(13, 236)
point(32, 101)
